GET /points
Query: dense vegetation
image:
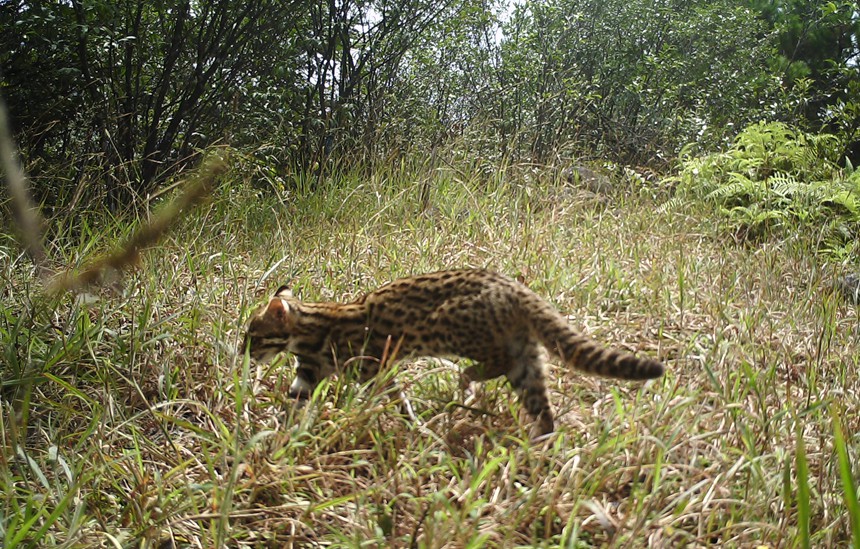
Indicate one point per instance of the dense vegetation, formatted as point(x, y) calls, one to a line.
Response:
point(113, 97)
point(679, 177)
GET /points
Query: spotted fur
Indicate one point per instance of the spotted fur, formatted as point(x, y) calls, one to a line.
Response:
point(497, 322)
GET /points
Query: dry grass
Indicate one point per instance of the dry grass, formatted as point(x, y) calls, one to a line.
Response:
point(130, 421)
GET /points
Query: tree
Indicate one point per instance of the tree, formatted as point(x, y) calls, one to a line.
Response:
point(128, 90)
point(631, 81)
point(143, 85)
point(818, 55)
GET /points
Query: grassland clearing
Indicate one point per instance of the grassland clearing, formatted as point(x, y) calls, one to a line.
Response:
point(129, 420)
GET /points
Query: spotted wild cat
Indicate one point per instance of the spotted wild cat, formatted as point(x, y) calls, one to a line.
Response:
point(497, 322)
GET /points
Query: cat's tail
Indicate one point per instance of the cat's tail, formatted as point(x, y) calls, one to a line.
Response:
point(583, 353)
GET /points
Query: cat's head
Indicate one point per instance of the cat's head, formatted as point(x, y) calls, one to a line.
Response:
point(270, 327)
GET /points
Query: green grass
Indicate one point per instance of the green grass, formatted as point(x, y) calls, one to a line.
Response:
point(128, 420)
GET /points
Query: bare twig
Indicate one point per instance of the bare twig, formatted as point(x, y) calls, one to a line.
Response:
point(128, 254)
point(25, 212)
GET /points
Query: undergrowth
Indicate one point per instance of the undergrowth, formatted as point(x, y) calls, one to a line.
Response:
point(773, 179)
point(128, 419)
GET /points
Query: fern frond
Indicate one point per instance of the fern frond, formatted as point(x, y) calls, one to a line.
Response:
point(774, 174)
point(845, 199)
point(755, 214)
point(784, 185)
point(673, 203)
point(733, 190)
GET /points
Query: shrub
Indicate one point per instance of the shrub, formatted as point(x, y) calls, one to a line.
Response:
point(775, 177)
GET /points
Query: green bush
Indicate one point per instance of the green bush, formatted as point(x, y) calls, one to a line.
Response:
point(774, 177)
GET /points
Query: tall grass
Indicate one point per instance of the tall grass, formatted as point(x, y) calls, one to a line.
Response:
point(129, 420)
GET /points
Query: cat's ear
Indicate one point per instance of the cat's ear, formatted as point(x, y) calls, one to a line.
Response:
point(284, 291)
point(278, 307)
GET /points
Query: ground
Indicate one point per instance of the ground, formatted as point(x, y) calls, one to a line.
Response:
point(130, 420)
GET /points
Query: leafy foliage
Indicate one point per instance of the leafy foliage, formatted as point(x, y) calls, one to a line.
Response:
point(817, 47)
point(111, 97)
point(774, 177)
point(115, 97)
point(129, 417)
point(568, 82)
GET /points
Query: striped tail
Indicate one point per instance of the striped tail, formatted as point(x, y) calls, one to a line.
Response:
point(583, 353)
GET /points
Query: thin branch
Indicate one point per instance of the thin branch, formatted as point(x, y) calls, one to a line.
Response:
point(197, 189)
point(26, 214)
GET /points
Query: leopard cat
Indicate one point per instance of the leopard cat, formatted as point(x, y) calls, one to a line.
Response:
point(495, 321)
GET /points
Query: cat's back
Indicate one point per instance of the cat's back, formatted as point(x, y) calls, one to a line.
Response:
point(434, 288)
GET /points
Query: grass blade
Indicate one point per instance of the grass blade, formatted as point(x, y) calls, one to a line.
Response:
point(803, 507)
point(849, 491)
